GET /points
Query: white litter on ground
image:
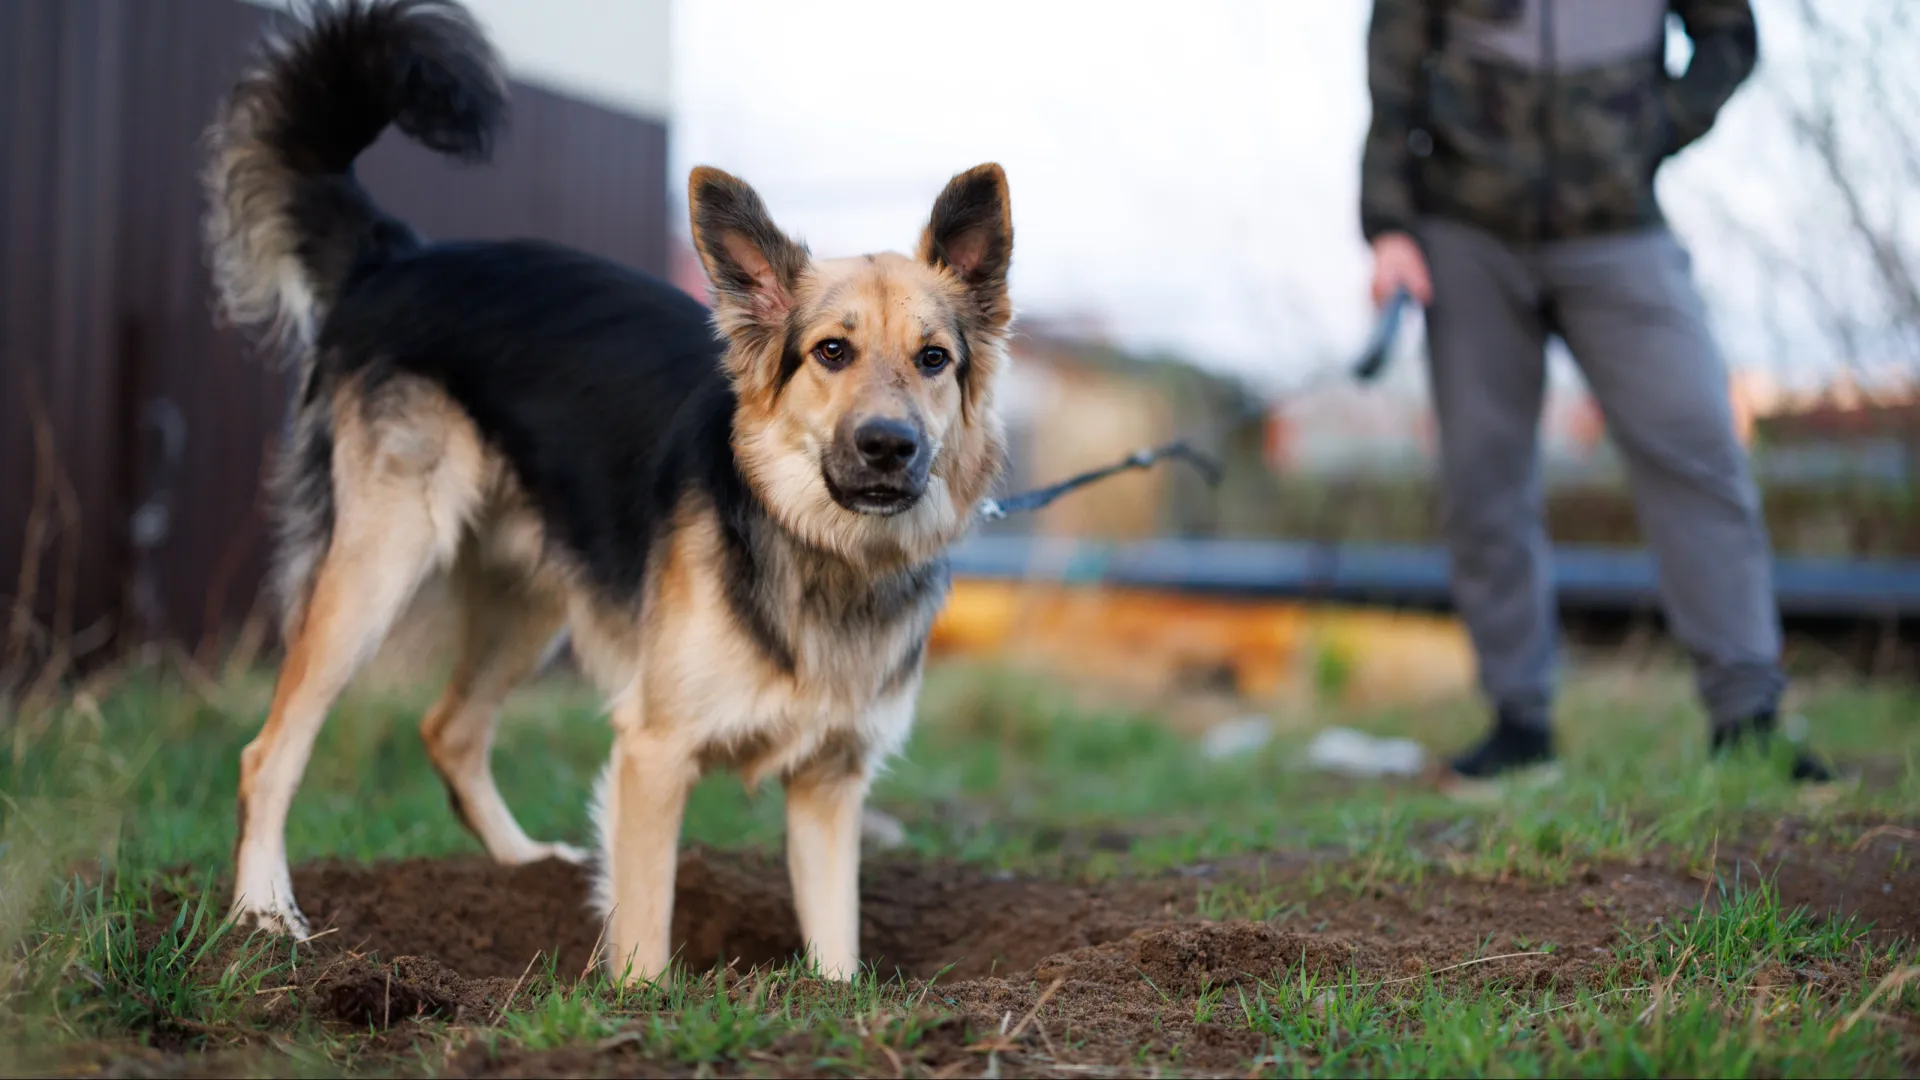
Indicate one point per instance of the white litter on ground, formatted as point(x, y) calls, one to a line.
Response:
point(882, 830)
point(1236, 738)
point(1358, 754)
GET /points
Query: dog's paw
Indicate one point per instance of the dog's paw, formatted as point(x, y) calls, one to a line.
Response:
point(283, 921)
point(838, 969)
point(566, 853)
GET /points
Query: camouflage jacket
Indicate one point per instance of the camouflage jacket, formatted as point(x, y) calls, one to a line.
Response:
point(1538, 119)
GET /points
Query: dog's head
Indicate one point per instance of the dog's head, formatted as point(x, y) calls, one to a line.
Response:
point(866, 419)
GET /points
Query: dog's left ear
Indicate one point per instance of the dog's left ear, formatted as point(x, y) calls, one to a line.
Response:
point(971, 234)
point(754, 267)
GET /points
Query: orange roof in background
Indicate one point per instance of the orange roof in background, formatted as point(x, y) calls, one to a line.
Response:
point(1761, 394)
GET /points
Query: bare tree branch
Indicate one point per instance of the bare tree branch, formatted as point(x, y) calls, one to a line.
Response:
point(1845, 102)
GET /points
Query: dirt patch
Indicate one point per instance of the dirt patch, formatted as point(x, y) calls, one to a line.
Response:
point(468, 914)
point(920, 919)
point(374, 994)
point(1875, 879)
point(366, 996)
point(466, 921)
point(1121, 964)
point(488, 921)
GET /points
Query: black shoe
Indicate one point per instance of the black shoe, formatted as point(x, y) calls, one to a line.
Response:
point(1757, 732)
point(1509, 746)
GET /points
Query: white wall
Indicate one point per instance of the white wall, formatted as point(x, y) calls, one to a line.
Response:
point(614, 53)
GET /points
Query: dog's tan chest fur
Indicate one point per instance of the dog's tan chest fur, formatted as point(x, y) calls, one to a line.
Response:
point(703, 678)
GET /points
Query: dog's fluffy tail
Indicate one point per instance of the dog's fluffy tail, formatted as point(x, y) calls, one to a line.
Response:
point(288, 223)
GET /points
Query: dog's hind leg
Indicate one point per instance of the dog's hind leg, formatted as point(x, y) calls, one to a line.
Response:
point(399, 508)
point(360, 589)
point(506, 625)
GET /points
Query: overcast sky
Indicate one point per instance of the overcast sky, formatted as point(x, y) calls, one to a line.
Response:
point(1186, 174)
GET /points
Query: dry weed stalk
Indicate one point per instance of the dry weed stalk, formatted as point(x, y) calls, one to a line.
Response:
point(38, 657)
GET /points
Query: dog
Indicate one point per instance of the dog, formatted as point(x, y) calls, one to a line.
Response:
point(741, 516)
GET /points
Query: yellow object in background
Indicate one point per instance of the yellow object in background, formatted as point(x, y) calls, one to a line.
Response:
point(1162, 643)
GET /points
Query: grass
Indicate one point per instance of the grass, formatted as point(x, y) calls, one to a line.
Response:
point(108, 805)
point(1638, 779)
point(1682, 1003)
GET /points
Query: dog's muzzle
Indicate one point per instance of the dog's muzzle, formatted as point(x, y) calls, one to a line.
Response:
point(878, 466)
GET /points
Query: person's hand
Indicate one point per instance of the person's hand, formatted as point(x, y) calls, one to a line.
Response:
point(1398, 263)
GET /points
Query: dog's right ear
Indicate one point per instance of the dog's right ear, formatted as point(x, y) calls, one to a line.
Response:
point(971, 235)
point(754, 267)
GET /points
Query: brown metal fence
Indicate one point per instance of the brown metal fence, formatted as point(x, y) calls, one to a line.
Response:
point(132, 431)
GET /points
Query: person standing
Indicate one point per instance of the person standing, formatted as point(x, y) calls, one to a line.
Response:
point(1508, 186)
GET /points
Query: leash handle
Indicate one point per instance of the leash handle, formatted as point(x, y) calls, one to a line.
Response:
point(1373, 360)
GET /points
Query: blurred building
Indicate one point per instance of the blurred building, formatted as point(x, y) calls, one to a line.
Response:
point(1387, 429)
point(1843, 433)
point(1073, 402)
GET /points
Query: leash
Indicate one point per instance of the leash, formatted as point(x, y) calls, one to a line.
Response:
point(1179, 449)
point(1373, 360)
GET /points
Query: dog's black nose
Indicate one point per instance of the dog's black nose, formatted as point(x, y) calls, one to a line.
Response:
point(886, 444)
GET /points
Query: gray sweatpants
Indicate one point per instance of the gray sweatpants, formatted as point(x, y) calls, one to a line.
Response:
point(1628, 310)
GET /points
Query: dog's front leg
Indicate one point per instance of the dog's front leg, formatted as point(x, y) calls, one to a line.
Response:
point(823, 858)
point(644, 798)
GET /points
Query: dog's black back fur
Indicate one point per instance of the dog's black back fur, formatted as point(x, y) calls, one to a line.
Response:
point(601, 385)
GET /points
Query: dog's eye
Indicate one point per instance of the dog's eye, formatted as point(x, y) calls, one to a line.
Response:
point(933, 359)
point(832, 352)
